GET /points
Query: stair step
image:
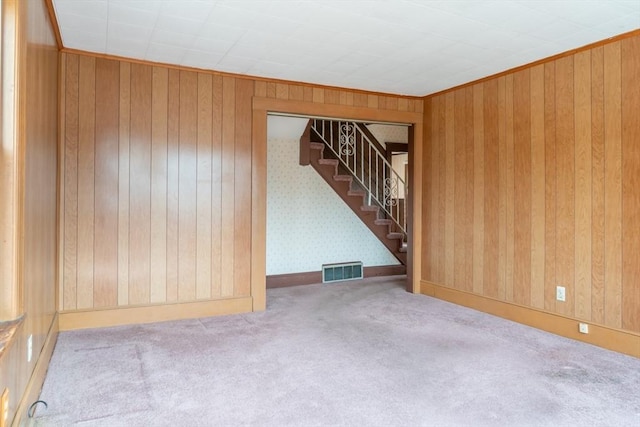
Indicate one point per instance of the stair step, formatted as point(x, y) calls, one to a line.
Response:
point(331, 162)
point(383, 222)
point(403, 248)
point(348, 178)
point(316, 145)
point(395, 235)
point(356, 193)
point(370, 208)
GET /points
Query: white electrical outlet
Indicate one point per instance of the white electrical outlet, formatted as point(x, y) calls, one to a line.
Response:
point(584, 328)
point(560, 293)
point(29, 348)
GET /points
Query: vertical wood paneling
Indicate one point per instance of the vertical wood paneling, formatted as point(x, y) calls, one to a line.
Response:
point(582, 114)
point(509, 188)
point(173, 180)
point(537, 187)
point(187, 186)
point(105, 288)
point(469, 191)
point(491, 188)
point(449, 226)
point(123, 182)
point(550, 186)
point(441, 168)
point(478, 189)
point(69, 296)
point(242, 197)
point(203, 214)
point(552, 193)
point(86, 180)
point(597, 202)
point(140, 185)
point(228, 185)
point(630, 72)
point(565, 184)
point(502, 188)
point(159, 111)
point(216, 188)
point(613, 186)
point(460, 214)
point(522, 187)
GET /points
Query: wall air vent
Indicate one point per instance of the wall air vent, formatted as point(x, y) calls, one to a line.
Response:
point(341, 271)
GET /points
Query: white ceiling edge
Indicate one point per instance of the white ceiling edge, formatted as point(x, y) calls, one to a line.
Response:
point(399, 47)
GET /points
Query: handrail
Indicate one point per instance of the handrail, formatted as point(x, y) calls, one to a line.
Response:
point(359, 155)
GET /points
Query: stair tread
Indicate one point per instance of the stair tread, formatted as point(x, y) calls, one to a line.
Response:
point(360, 193)
point(372, 208)
point(316, 145)
point(395, 235)
point(383, 222)
point(342, 178)
point(403, 249)
point(332, 162)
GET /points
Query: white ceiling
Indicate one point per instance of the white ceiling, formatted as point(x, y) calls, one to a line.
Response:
point(412, 47)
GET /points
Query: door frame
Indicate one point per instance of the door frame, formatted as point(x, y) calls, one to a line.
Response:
point(263, 106)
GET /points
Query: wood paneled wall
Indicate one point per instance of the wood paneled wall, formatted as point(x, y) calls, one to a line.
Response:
point(532, 180)
point(36, 139)
point(158, 179)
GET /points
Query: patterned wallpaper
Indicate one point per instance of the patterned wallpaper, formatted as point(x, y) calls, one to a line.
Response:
point(307, 223)
point(389, 133)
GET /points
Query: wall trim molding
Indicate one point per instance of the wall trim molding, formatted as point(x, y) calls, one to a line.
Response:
point(34, 386)
point(109, 56)
point(72, 320)
point(315, 277)
point(602, 336)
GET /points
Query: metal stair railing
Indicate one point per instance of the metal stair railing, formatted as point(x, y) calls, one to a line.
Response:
point(367, 165)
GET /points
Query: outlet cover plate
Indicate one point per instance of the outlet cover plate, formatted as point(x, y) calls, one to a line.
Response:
point(560, 293)
point(584, 328)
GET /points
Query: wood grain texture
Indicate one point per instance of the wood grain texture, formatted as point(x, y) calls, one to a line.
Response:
point(124, 128)
point(538, 163)
point(70, 226)
point(565, 184)
point(105, 288)
point(560, 172)
point(583, 159)
point(478, 159)
point(140, 185)
point(491, 189)
point(597, 202)
point(228, 185)
point(522, 187)
point(203, 196)
point(187, 186)
point(29, 199)
point(630, 70)
point(86, 183)
point(159, 111)
point(613, 185)
point(173, 180)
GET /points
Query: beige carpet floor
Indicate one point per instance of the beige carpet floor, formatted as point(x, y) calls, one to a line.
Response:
point(361, 353)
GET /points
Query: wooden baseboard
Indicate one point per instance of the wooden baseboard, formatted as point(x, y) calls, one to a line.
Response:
point(34, 386)
point(71, 320)
point(314, 277)
point(602, 336)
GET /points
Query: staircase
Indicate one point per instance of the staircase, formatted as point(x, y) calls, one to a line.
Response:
point(349, 159)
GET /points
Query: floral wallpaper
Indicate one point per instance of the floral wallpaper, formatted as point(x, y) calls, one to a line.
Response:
point(307, 223)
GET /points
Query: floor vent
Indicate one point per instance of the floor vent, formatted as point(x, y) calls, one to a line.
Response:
point(341, 271)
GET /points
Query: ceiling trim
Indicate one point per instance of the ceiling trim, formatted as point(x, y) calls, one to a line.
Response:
point(236, 75)
point(538, 62)
point(54, 23)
